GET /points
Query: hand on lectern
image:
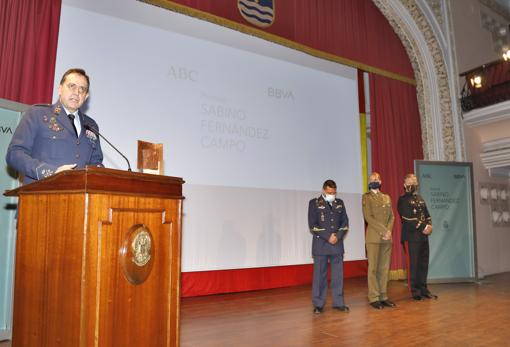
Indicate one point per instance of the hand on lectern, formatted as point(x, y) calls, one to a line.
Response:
point(65, 167)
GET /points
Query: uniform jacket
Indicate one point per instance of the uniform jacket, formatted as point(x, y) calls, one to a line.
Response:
point(45, 139)
point(415, 217)
point(325, 220)
point(379, 216)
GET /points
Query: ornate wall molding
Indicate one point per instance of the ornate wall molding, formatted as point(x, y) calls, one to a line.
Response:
point(434, 70)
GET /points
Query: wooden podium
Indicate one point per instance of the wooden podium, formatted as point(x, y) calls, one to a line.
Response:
point(98, 258)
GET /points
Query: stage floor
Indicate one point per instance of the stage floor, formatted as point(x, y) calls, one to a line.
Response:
point(466, 314)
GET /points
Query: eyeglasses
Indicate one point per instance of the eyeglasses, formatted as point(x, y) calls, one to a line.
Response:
point(77, 89)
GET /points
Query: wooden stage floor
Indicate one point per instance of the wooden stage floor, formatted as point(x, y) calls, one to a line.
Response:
point(464, 315)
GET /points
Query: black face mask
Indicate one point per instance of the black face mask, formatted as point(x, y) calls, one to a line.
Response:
point(374, 185)
point(412, 188)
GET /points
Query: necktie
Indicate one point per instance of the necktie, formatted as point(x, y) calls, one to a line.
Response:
point(71, 118)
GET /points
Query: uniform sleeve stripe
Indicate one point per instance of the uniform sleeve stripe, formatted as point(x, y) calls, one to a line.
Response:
point(409, 218)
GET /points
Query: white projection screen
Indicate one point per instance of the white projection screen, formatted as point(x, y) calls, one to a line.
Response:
point(254, 128)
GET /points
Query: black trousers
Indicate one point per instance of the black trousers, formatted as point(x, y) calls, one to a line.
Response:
point(417, 266)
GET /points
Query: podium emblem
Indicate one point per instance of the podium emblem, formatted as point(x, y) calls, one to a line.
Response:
point(141, 248)
point(136, 254)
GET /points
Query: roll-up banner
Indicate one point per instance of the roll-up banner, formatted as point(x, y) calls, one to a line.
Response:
point(447, 188)
point(10, 114)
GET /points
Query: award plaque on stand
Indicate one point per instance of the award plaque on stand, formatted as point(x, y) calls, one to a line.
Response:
point(150, 157)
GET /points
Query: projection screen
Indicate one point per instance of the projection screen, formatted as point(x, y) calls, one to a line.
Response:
point(254, 128)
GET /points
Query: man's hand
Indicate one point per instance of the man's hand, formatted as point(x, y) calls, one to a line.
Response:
point(333, 239)
point(387, 235)
point(427, 230)
point(65, 167)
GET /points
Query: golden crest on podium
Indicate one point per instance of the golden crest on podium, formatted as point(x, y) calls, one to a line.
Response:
point(141, 248)
point(136, 254)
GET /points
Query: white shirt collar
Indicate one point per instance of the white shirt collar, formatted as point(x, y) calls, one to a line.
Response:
point(77, 122)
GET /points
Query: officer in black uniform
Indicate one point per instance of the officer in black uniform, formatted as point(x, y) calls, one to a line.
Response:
point(328, 222)
point(416, 228)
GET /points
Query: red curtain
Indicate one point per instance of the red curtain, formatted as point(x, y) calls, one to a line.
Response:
point(28, 48)
point(352, 29)
point(238, 280)
point(396, 142)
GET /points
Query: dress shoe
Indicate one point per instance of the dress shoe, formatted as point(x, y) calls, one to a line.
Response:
point(430, 296)
point(417, 297)
point(317, 310)
point(388, 303)
point(377, 305)
point(341, 308)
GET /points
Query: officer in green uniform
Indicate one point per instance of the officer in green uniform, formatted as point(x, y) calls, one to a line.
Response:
point(379, 216)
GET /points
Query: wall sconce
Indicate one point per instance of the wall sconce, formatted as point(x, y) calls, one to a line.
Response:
point(506, 55)
point(505, 216)
point(503, 194)
point(476, 81)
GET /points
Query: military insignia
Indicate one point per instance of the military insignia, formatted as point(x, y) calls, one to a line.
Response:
point(54, 125)
point(57, 110)
point(322, 217)
point(260, 13)
point(45, 119)
point(46, 172)
point(91, 135)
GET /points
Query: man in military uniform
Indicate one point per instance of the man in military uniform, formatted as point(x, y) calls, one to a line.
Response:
point(379, 216)
point(328, 222)
point(416, 228)
point(52, 138)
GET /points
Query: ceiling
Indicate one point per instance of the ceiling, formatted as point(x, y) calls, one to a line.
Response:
point(502, 7)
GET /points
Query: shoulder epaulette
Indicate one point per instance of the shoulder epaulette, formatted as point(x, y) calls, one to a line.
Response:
point(319, 202)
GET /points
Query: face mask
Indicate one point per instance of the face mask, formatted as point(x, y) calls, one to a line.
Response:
point(412, 188)
point(374, 185)
point(329, 197)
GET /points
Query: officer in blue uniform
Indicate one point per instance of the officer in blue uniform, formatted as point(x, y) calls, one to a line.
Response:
point(52, 138)
point(328, 222)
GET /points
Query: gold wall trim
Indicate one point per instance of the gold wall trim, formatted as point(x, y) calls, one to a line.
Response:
point(170, 5)
point(364, 149)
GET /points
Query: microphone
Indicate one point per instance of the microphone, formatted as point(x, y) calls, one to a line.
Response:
point(95, 131)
